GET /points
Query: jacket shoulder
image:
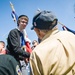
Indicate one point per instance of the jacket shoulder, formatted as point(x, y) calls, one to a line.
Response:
point(13, 31)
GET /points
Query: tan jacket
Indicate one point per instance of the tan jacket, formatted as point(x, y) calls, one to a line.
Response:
point(55, 55)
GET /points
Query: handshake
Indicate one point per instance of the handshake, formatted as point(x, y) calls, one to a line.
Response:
point(25, 59)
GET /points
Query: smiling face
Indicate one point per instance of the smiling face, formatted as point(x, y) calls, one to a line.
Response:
point(22, 22)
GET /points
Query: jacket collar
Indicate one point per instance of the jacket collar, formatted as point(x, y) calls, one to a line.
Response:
point(50, 33)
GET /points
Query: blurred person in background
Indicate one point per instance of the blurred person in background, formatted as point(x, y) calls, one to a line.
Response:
point(2, 47)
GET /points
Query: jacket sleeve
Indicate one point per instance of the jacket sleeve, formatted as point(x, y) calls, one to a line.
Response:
point(36, 65)
point(14, 44)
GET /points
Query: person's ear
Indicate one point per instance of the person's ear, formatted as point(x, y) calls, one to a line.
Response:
point(54, 22)
point(37, 30)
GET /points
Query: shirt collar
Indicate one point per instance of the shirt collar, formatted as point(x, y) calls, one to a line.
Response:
point(19, 29)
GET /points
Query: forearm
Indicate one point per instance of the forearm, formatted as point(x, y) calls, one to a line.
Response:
point(22, 52)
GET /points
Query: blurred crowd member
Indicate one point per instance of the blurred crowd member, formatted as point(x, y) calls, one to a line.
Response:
point(2, 47)
point(32, 47)
point(8, 64)
point(55, 55)
point(66, 28)
point(35, 43)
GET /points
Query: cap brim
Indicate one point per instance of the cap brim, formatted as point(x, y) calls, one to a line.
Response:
point(32, 28)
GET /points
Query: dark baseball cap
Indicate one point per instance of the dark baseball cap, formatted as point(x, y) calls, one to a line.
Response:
point(43, 20)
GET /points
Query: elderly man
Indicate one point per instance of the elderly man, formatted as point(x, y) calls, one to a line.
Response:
point(55, 55)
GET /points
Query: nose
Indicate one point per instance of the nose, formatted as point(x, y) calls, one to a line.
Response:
point(24, 23)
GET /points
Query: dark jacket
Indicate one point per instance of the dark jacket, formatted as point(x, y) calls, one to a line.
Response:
point(14, 46)
point(9, 66)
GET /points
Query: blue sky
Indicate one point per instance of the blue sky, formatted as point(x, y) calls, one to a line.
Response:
point(63, 9)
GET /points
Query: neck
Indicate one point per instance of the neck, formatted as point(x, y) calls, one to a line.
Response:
point(21, 30)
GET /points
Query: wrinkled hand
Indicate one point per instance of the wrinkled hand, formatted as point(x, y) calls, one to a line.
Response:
point(26, 60)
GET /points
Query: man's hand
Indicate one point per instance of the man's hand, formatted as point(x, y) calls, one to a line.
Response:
point(26, 60)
